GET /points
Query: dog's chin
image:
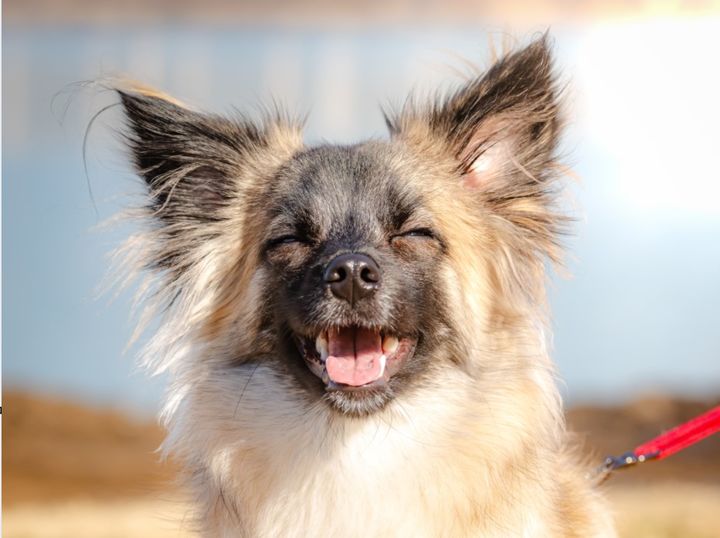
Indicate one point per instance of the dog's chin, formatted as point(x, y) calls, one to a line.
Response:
point(355, 365)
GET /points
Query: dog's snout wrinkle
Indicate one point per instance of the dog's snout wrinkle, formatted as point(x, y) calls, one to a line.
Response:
point(352, 277)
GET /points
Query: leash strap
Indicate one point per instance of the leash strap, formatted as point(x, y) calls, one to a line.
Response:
point(670, 442)
point(681, 436)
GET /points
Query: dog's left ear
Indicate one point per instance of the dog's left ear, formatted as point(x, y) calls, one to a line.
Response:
point(202, 170)
point(500, 130)
point(195, 164)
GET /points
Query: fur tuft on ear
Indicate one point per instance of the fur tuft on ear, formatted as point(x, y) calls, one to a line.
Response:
point(189, 160)
point(206, 177)
point(501, 131)
point(199, 168)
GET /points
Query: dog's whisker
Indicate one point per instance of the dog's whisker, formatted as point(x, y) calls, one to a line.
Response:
point(247, 383)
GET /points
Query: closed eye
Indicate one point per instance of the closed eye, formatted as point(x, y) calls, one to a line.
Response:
point(418, 236)
point(283, 240)
point(418, 232)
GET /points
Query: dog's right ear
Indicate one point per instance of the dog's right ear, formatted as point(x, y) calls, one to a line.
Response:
point(196, 164)
point(500, 131)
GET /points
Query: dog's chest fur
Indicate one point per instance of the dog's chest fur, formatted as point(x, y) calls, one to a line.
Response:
point(284, 469)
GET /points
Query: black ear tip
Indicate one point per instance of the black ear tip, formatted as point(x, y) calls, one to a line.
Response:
point(124, 95)
point(125, 98)
point(542, 46)
point(137, 97)
point(534, 60)
point(132, 102)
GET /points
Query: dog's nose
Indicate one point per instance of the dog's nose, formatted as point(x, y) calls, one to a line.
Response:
point(352, 277)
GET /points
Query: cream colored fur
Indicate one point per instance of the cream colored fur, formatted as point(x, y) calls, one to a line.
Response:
point(477, 449)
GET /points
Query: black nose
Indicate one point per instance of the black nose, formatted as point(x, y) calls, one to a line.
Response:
point(352, 277)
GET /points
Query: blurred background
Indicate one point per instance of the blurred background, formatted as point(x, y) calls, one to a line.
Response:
point(637, 329)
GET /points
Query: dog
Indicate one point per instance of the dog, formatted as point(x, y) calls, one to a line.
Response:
point(356, 335)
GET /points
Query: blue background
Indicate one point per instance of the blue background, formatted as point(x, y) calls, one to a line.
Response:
point(638, 314)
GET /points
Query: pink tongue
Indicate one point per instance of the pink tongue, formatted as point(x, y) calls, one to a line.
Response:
point(354, 356)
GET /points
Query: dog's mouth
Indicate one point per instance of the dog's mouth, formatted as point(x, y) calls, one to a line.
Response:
point(355, 358)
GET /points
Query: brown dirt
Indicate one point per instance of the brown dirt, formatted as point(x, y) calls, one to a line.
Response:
point(54, 450)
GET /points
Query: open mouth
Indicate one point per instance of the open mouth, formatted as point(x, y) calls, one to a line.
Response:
point(355, 358)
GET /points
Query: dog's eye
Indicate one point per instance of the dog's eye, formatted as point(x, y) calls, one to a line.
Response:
point(418, 232)
point(415, 236)
point(282, 240)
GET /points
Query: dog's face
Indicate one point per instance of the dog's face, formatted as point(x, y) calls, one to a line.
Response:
point(353, 257)
point(357, 272)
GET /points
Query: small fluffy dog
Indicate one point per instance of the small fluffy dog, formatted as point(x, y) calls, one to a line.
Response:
point(356, 334)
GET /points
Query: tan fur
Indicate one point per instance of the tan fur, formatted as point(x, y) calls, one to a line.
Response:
point(478, 451)
point(458, 458)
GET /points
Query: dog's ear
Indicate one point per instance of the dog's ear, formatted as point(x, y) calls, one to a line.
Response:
point(500, 130)
point(194, 164)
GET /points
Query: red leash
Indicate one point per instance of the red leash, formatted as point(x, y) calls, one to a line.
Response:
point(664, 445)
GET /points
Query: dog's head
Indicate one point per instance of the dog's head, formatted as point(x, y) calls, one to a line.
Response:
point(358, 272)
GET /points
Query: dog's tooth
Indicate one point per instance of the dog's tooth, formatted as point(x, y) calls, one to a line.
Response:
point(383, 361)
point(390, 344)
point(321, 345)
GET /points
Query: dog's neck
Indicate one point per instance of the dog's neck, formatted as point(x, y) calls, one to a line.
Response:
point(279, 464)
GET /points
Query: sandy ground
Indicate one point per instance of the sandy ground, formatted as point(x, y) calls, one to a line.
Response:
point(131, 518)
point(667, 511)
point(673, 510)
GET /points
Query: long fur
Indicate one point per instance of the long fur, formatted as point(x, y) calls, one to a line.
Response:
point(477, 445)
